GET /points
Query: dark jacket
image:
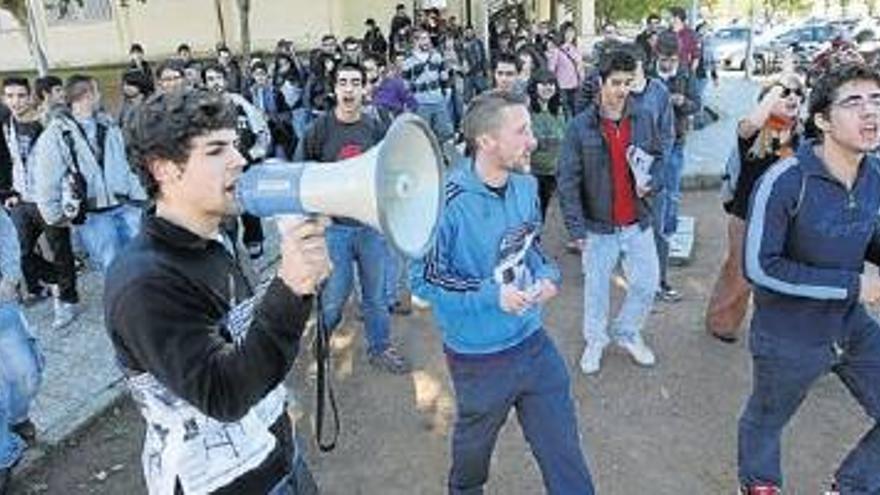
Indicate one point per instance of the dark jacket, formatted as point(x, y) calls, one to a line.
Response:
point(180, 310)
point(656, 106)
point(583, 174)
point(682, 83)
point(807, 241)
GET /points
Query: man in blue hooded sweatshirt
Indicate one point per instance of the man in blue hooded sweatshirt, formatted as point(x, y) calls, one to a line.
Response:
point(488, 280)
point(812, 225)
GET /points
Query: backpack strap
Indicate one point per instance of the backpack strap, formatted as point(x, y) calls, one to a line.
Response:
point(74, 160)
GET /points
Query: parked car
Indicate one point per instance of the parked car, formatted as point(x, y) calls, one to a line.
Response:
point(802, 42)
point(728, 46)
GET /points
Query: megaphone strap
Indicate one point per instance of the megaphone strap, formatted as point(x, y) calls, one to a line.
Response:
point(325, 383)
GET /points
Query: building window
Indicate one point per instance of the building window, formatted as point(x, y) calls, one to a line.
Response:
point(65, 12)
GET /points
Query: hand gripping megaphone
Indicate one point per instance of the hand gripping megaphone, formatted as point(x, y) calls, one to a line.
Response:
point(395, 187)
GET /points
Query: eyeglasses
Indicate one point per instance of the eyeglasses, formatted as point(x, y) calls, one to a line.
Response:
point(857, 102)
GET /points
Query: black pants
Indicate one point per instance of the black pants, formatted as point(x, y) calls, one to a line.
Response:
point(546, 189)
point(62, 271)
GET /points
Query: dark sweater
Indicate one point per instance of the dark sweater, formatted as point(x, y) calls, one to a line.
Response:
point(167, 303)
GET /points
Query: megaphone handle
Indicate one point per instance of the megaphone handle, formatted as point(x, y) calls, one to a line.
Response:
point(322, 357)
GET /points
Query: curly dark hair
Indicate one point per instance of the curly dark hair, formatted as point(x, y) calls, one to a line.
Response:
point(824, 91)
point(163, 127)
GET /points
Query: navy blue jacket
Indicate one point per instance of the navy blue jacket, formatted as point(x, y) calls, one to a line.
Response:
point(807, 240)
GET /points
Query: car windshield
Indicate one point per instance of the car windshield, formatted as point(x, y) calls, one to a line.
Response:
point(732, 34)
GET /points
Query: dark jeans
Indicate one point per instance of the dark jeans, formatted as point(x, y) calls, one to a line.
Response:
point(546, 189)
point(783, 372)
point(569, 101)
point(532, 378)
point(62, 271)
point(661, 238)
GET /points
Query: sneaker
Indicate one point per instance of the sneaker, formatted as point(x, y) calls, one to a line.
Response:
point(27, 431)
point(420, 303)
point(391, 361)
point(640, 352)
point(761, 489)
point(591, 360)
point(254, 249)
point(835, 490)
point(65, 313)
point(668, 294)
point(42, 293)
point(402, 307)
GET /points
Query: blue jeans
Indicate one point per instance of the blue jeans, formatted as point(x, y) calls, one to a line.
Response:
point(674, 168)
point(361, 246)
point(634, 247)
point(474, 85)
point(299, 481)
point(396, 279)
point(21, 370)
point(661, 239)
point(532, 378)
point(437, 116)
point(105, 233)
point(783, 372)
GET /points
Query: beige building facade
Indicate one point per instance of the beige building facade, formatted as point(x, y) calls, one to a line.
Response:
point(101, 31)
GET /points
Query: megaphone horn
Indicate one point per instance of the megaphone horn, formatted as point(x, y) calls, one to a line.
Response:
point(395, 187)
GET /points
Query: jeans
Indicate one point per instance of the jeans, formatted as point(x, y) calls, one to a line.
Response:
point(61, 271)
point(783, 372)
point(105, 233)
point(473, 85)
point(661, 239)
point(546, 189)
point(532, 378)
point(634, 247)
point(437, 116)
point(674, 168)
point(298, 482)
point(351, 245)
point(21, 370)
point(396, 275)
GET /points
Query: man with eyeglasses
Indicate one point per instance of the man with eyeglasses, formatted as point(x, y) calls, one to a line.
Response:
point(683, 92)
point(344, 133)
point(812, 226)
point(605, 205)
point(169, 76)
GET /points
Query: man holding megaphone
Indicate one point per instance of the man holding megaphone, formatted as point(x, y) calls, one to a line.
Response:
point(204, 350)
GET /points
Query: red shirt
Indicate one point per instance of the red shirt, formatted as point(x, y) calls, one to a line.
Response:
point(623, 198)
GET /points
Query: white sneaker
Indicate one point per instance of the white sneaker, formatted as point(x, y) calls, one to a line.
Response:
point(420, 303)
point(65, 313)
point(591, 360)
point(640, 352)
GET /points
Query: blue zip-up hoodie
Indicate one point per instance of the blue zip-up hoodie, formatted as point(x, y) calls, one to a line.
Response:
point(806, 244)
point(483, 239)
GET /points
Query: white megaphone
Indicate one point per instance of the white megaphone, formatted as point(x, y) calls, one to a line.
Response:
point(395, 187)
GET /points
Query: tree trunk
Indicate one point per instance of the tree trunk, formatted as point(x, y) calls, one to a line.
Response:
point(244, 11)
point(218, 8)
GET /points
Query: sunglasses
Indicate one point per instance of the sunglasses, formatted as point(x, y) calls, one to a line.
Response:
point(786, 92)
